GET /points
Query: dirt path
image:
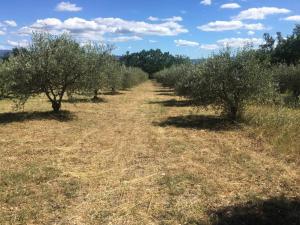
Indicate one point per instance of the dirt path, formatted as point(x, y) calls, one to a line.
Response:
point(141, 158)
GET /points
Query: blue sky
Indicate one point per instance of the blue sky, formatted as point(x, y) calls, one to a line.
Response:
point(191, 27)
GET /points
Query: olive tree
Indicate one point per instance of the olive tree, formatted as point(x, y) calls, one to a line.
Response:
point(172, 76)
point(50, 65)
point(5, 80)
point(228, 81)
point(133, 76)
point(114, 74)
point(189, 80)
point(96, 59)
point(288, 78)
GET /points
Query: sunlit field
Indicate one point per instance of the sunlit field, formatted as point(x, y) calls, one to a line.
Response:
point(150, 112)
point(145, 156)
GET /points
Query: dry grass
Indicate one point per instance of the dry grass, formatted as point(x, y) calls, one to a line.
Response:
point(141, 157)
point(280, 126)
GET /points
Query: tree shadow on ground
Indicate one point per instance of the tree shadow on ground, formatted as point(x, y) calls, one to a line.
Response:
point(83, 100)
point(163, 90)
point(113, 93)
point(274, 211)
point(201, 122)
point(174, 103)
point(166, 93)
point(62, 116)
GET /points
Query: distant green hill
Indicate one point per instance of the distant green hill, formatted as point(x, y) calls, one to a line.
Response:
point(4, 53)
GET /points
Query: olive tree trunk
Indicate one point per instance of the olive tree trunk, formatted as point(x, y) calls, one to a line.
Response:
point(55, 99)
point(233, 114)
point(56, 105)
point(95, 98)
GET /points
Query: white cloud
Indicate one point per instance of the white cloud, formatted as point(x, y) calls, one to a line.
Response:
point(7, 23)
point(233, 43)
point(22, 43)
point(152, 41)
point(173, 19)
point(254, 26)
point(221, 26)
point(260, 13)
point(47, 23)
point(239, 42)
point(170, 19)
point(67, 6)
point(230, 6)
point(251, 33)
point(206, 2)
point(125, 39)
point(185, 43)
point(10, 23)
point(230, 25)
point(295, 18)
point(152, 18)
point(2, 32)
point(209, 46)
point(95, 29)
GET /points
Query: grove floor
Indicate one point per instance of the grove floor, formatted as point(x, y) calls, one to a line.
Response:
point(143, 156)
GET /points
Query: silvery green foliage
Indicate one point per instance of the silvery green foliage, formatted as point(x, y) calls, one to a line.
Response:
point(53, 65)
point(172, 76)
point(96, 58)
point(226, 81)
point(229, 81)
point(132, 76)
point(50, 65)
point(5, 80)
point(288, 79)
point(113, 71)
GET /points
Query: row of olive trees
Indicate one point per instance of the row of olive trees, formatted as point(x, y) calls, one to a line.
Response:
point(55, 65)
point(226, 81)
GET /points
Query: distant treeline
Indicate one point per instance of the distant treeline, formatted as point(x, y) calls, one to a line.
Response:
point(152, 61)
point(279, 49)
point(4, 53)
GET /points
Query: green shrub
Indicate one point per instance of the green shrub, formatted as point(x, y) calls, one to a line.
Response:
point(133, 76)
point(225, 81)
point(171, 76)
point(5, 80)
point(114, 75)
point(288, 79)
point(96, 58)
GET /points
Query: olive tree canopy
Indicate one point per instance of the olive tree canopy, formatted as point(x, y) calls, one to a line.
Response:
point(50, 65)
